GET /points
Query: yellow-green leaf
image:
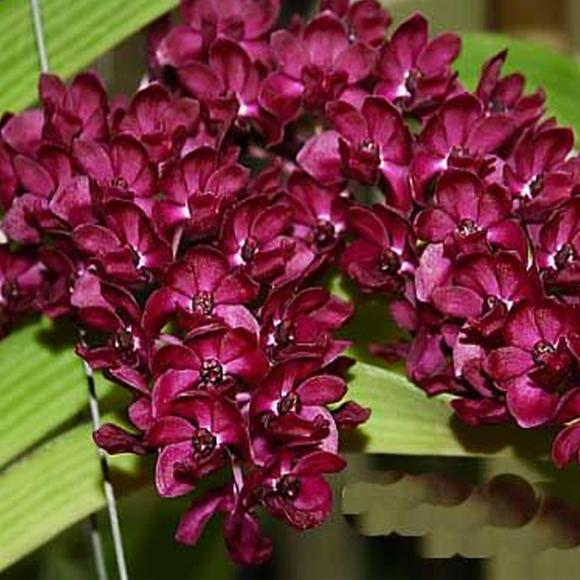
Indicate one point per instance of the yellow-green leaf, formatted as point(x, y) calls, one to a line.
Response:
point(76, 32)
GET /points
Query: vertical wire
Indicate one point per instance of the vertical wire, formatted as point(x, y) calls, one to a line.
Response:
point(96, 540)
point(39, 35)
point(97, 547)
point(107, 485)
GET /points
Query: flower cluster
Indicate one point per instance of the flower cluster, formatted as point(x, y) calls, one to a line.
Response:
point(184, 229)
point(178, 231)
point(475, 237)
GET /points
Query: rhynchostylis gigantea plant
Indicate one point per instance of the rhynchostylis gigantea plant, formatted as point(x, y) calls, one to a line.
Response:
point(185, 228)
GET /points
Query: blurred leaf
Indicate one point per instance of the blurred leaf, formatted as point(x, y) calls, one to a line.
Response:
point(76, 34)
point(556, 73)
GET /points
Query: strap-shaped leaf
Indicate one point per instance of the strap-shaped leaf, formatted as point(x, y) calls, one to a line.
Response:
point(54, 486)
point(42, 386)
point(77, 32)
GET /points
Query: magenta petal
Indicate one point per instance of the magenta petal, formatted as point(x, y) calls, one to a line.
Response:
point(508, 362)
point(33, 176)
point(95, 240)
point(320, 158)
point(439, 53)
point(529, 404)
point(193, 522)
point(409, 39)
point(291, 53)
point(168, 430)
point(434, 224)
point(433, 271)
point(168, 386)
point(244, 540)
point(23, 132)
point(281, 96)
point(387, 129)
point(237, 316)
point(458, 301)
point(179, 46)
point(566, 446)
point(169, 460)
point(321, 390)
point(236, 288)
point(73, 202)
point(357, 61)
point(490, 133)
point(231, 63)
point(349, 122)
point(94, 160)
point(325, 38)
point(200, 80)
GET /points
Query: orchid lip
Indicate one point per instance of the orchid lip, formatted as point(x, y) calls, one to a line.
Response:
point(533, 187)
point(467, 227)
point(542, 350)
point(291, 402)
point(211, 373)
point(203, 443)
point(288, 487)
point(564, 256)
point(203, 302)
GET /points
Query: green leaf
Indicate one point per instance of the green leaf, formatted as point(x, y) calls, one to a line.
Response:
point(556, 73)
point(76, 34)
point(42, 385)
point(53, 487)
point(405, 421)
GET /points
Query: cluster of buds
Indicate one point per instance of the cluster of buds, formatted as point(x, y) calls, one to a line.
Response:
point(184, 230)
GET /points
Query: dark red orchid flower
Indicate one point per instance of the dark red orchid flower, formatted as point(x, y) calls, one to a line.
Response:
point(247, 22)
point(196, 190)
point(315, 65)
point(416, 73)
point(458, 135)
point(194, 440)
point(367, 145)
point(126, 248)
point(506, 94)
point(536, 172)
point(558, 245)
point(203, 288)
point(483, 289)
point(160, 121)
point(296, 322)
point(534, 361)
point(79, 110)
point(467, 216)
point(296, 491)
point(383, 251)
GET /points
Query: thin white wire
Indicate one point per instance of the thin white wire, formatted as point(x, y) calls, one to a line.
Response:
point(39, 34)
point(96, 540)
point(97, 546)
point(107, 485)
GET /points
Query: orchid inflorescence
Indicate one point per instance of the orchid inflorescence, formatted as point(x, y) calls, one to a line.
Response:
point(184, 230)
